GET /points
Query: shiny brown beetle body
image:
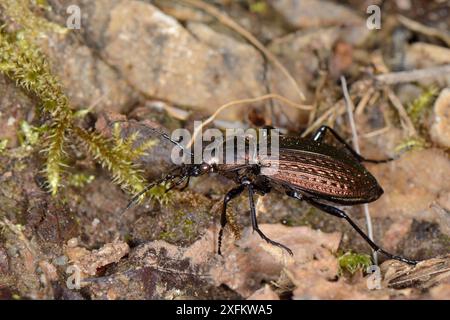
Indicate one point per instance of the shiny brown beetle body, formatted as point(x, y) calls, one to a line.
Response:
point(307, 169)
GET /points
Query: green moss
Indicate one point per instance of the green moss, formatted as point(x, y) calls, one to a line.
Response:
point(79, 180)
point(419, 107)
point(23, 62)
point(233, 224)
point(444, 239)
point(41, 4)
point(182, 220)
point(309, 218)
point(168, 236)
point(28, 135)
point(352, 262)
point(410, 144)
point(259, 7)
point(160, 194)
point(116, 155)
point(181, 225)
point(22, 13)
point(3, 145)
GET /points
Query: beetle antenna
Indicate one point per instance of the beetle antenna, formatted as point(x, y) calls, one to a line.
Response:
point(161, 133)
point(136, 197)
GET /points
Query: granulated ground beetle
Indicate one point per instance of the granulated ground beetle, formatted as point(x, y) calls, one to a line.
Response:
point(308, 169)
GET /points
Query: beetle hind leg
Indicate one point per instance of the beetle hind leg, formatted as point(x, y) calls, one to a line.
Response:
point(320, 134)
point(341, 214)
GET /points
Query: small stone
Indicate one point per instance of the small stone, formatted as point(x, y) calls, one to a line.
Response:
point(440, 129)
point(95, 222)
point(404, 4)
point(7, 175)
point(49, 270)
point(111, 294)
point(72, 243)
point(408, 191)
point(315, 13)
point(196, 67)
point(61, 261)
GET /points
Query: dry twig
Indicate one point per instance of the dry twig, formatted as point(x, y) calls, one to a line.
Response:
point(413, 75)
point(338, 108)
point(426, 30)
point(404, 118)
point(350, 109)
point(243, 101)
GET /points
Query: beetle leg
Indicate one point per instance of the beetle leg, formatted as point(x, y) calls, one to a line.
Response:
point(177, 183)
point(255, 222)
point(341, 214)
point(186, 184)
point(320, 134)
point(233, 193)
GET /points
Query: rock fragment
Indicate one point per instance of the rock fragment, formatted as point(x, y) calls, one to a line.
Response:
point(440, 129)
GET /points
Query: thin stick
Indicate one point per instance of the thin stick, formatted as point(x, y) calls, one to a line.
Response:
point(321, 119)
point(426, 30)
point(322, 81)
point(376, 133)
point(413, 75)
point(227, 21)
point(250, 100)
point(350, 109)
point(405, 120)
point(363, 103)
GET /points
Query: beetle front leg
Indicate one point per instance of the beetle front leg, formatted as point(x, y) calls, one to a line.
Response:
point(341, 214)
point(186, 184)
point(233, 193)
point(319, 135)
point(255, 222)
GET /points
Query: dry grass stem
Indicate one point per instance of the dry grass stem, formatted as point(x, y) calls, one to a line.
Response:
point(413, 75)
point(350, 109)
point(245, 101)
point(404, 118)
point(426, 30)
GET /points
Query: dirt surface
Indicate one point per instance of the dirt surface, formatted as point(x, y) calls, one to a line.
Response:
point(167, 63)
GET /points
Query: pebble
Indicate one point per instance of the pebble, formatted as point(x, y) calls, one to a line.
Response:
point(440, 129)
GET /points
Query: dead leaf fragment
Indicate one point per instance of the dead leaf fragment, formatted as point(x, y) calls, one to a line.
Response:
point(90, 261)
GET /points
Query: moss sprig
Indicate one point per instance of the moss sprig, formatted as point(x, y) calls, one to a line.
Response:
point(118, 155)
point(352, 262)
point(23, 62)
point(55, 155)
point(21, 12)
point(118, 163)
point(418, 108)
point(410, 144)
